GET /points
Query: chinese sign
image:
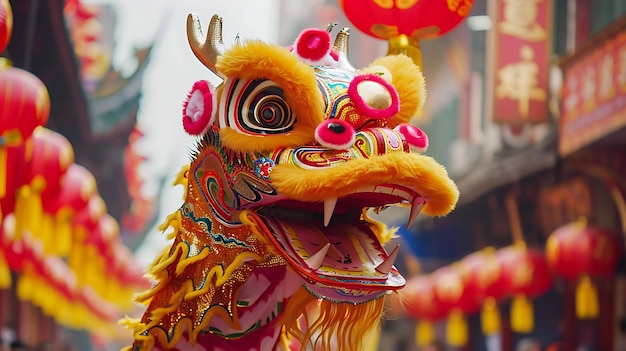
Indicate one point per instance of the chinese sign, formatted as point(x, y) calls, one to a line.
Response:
point(520, 53)
point(594, 95)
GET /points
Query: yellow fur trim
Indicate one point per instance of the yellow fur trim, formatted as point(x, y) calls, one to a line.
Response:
point(409, 82)
point(422, 173)
point(259, 60)
point(330, 322)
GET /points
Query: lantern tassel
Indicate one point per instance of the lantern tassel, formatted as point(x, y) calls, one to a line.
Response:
point(490, 317)
point(5, 273)
point(403, 44)
point(456, 328)
point(28, 208)
point(63, 233)
point(522, 314)
point(587, 303)
point(47, 233)
point(424, 333)
point(21, 211)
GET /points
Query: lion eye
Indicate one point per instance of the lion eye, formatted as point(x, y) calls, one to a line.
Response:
point(256, 107)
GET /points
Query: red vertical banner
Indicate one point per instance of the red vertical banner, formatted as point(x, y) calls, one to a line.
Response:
point(519, 54)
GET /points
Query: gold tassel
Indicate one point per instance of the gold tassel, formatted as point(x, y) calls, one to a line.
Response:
point(587, 303)
point(424, 333)
point(5, 273)
point(21, 211)
point(28, 208)
point(456, 328)
point(490, 317)
point(63, 232)
point(522, 314)
point(403, 44)
point(47, 234)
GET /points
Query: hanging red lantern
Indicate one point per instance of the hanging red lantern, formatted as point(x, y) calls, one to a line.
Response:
point(77, 186)
point(85, 233)
point(25, 105)
point(485, 280)
point(405, 23)
point(580, 252)
point(418, 297)
point(451, 294)
point(6, 24)
point(50, 156)
point(100, 268)
point(526, 274)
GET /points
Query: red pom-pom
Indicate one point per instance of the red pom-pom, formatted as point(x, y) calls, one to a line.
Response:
point(313, 44)
point(382, 87)
point(199, 108)
point(417, 139)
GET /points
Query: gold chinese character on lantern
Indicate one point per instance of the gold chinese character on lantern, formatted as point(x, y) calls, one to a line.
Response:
point(523, 275)
point(461, 7)
point(401, 4)
point(520, 20)
point(518, 81)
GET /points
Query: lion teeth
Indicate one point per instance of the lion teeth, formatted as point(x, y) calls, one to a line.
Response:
point(416, 208)
point(329, 209)
point(315, 261)
point(387, 264)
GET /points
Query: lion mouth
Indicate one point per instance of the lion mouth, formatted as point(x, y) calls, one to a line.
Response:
point(333, 246)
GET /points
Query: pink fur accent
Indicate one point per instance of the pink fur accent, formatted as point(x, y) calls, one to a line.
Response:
point(313, 44)
point(199, 108)
point(362, 106)
point(335, 134)
point(417, 139)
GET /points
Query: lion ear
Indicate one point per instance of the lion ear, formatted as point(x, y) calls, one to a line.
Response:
point(199, 108)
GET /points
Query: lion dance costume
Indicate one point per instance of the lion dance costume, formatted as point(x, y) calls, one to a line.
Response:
point(273, 248)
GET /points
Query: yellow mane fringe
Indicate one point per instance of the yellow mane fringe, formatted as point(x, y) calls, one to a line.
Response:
point(345, 323)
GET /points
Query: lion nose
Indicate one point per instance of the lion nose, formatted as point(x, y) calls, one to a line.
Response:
point(335, 134)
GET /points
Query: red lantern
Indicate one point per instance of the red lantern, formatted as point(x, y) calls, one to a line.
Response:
point(78, 185)
point(405, 23)
point(418, 297)
point(577, 251)
point(526, 274)
point(50, 156)
point(6, 23)
point(451, 294)
point(485, 280)
point(25, 105)
point(86, 240)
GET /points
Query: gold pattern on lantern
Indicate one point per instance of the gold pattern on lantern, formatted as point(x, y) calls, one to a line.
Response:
point(523, 274)
point(460, 7)
point(449, 287)
point(400, 4)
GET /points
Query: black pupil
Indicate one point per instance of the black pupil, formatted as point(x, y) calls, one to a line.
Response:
point(269, 113)
point(336, 128)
